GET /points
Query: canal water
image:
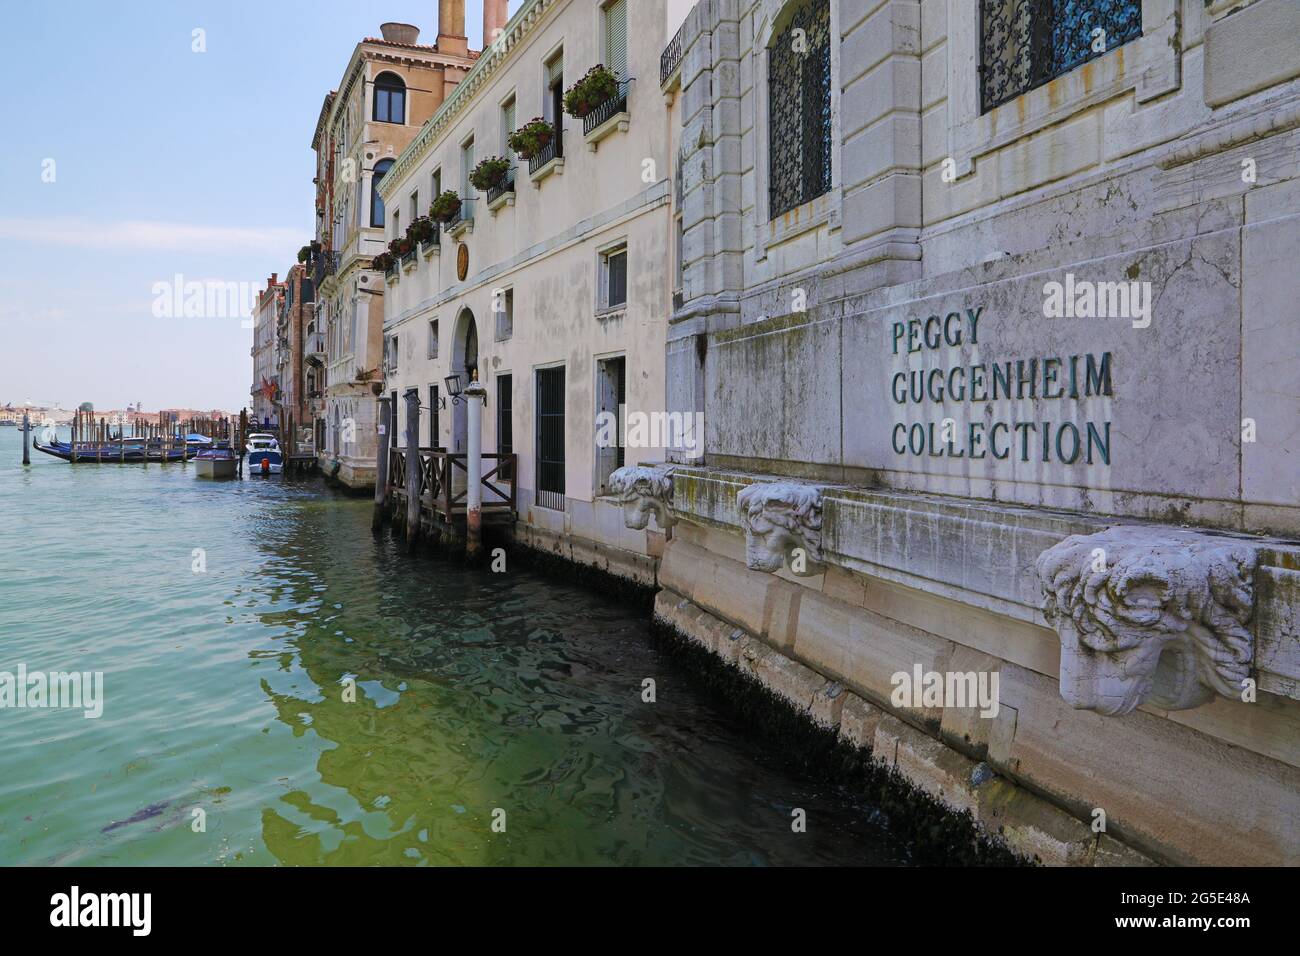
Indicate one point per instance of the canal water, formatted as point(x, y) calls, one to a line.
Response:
point(227, 618)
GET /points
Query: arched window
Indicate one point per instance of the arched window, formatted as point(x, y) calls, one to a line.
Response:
point(390, 99)
point(799, 108)
point(376, 202)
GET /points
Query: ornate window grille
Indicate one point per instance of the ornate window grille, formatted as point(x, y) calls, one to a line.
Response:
point(1027, 43)
point(799, 101)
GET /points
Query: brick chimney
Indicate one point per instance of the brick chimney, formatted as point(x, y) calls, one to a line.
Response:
point(451, 18)
point(495, 15)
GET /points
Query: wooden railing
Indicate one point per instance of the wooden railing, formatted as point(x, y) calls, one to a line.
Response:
point(444, 480)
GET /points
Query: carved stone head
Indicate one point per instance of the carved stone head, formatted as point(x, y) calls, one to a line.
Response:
point(1149, 615)
point(782, 520)
point(644, 491)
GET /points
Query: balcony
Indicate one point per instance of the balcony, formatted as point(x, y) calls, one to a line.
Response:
point(609, 117)
point(431, 247)
point(313, 348)
point(670, 61)
point(547, 160)
point(325, 265)
point(502, 194)
point(408, 260)
point(462, 222)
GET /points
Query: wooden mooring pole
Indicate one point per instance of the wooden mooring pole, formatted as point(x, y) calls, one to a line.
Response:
point(412, 467)
point(27, 433)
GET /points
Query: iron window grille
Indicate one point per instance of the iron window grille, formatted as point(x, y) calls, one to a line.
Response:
point(799, 100)
point(1025, 44)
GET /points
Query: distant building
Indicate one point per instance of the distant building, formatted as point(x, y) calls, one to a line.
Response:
point(265, 386)
point(390, 87)
point(297, 307)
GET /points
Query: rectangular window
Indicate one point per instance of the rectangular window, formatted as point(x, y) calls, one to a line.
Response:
point(433, 338)
point(466, 167)
point(415, 205)
point(505, 423)
point(550, 438)
point(1025, 45)
point(508, 114)
point(553, 100)
point(503, 306)
point(799, 109)
point(397, 223)
point(392, 354)
point(611, 397)
point(437, 183)
point(616, 37)
point(613, 278)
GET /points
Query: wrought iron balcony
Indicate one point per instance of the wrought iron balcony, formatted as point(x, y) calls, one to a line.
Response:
point(427, 246)
point(671, 58)
point(607, 110)
point(503, 188)
point(409, 256)
point(552, 150)
point(463, 219)
point(325, 264)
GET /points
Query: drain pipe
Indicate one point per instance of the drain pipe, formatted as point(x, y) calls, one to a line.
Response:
point(476, 398)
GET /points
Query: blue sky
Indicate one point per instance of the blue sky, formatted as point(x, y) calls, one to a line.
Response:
point(166, 162)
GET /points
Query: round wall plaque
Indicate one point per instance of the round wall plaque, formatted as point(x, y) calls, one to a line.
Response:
point(462, 261)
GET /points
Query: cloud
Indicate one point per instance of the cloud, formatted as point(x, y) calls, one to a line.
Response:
point(152, 235)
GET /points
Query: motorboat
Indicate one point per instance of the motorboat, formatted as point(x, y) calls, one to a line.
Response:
point(218, 461)
point(264, 456)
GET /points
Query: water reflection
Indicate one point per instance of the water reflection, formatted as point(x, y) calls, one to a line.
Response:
point(479, 693)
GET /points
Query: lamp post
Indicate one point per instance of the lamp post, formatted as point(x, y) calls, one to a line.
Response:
point(476, 396)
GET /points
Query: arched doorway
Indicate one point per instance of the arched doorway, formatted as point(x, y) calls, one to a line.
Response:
point(464, 362)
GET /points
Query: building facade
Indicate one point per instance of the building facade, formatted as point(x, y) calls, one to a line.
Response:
point(552, 287)
point(392, 84)
point(297, 310)
point(265, 390)
point(982, 305)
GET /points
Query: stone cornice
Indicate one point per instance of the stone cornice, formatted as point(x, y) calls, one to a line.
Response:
point(521, 25)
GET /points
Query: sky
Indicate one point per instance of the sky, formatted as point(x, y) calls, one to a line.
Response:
point(130, 159)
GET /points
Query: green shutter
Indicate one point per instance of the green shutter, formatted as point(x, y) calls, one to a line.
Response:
point(616, 38)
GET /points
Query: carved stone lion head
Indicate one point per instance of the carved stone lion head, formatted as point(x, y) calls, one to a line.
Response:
point(1149, 615)
point(644, 491)
point(780, 520)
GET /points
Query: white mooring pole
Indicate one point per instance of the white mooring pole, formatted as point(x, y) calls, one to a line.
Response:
point(476, 396)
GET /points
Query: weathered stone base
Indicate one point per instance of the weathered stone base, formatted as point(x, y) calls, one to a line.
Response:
point(352, 474)
point(1028, 825)
point(1212, 785)
point(619, 562)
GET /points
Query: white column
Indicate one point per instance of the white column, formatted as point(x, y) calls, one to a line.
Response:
point(476, 397)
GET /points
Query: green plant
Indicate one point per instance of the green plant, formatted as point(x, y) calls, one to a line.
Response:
point(594, 88)
point(445, 206)
point(533, 136)
point(401, 246)
point(383, 262)
point(422, 230)
point(304, 254)
point(489, 173)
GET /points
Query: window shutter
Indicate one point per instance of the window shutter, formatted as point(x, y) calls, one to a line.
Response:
point(616, 38)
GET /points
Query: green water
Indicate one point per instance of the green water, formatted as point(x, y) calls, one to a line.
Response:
point(475, 692)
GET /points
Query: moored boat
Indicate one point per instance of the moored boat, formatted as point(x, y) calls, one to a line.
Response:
point(216, 462)
point(264, 456)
